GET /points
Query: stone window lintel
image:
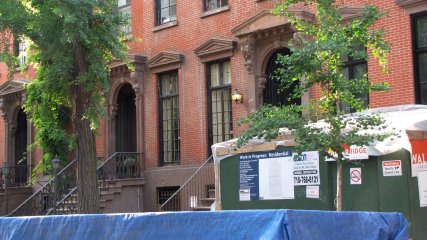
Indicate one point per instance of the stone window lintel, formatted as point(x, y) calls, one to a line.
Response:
point(214, 49)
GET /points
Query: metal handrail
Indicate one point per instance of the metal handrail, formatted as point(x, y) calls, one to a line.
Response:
point(14, 176)
point(41, 189)
point(103, 165)
point(186, 182)
point(62, 201)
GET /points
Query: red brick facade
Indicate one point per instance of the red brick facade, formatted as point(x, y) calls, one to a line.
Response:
point(235, 23)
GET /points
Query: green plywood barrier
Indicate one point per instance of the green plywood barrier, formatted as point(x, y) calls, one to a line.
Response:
point(229, 174)
point(375, 193)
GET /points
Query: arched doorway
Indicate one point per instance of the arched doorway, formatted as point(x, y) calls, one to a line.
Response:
point(20, 152)
point(271, 94)
point(126, 120)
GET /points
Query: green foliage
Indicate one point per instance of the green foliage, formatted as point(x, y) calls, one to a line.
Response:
point(316, 61)
point(53, 27)
point(267, 121)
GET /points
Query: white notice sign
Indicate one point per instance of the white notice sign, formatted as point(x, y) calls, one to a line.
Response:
point(422, 187)
point(245, 194)
point(355, 175)
point(276, 178)
point(392, 168)
point(354, 152)
point(306, 169)
point(312, 191)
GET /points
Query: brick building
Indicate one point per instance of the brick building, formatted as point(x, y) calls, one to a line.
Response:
point(190, 57)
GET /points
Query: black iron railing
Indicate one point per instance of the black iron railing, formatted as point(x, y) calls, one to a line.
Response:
point(197, 193)
point(66, 205)
point(43, 201)
point(120, 165)
point(14, 176)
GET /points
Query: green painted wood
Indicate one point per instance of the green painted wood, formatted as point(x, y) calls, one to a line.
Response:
point(229, 174)
point(376, 193)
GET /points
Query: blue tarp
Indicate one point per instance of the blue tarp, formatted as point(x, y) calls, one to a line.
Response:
point(263, 224)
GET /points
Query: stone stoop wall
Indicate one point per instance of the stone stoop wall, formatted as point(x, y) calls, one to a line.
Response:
point(126, 196)
point(15, 197)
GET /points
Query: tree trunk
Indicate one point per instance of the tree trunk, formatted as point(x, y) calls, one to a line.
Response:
point(338, 198)
point(87, 180)
point(87, 189)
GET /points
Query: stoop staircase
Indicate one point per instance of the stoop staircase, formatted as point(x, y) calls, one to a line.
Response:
point(197, 194)
point(112, 176)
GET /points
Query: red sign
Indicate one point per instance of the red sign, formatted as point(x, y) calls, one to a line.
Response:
point(391, 163)
point(418, 156)
point(354, 152)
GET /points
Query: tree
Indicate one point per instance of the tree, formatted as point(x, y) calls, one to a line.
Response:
point(72, 43)
point(316, 61)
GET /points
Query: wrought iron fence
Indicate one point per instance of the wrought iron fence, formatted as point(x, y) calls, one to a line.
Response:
point(196, 194)
point(14, 176)
point(120, 165)
point(43, 201)
point(66, 205)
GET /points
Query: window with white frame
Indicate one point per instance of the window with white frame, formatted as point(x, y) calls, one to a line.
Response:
point(21, 51)
point(165, 11)
point(124, 7)
point(210, 5)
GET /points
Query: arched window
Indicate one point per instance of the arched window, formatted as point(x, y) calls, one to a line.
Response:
point(126, 120)
point(271, 94)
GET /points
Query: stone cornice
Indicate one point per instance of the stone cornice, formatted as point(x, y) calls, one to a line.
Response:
point(266, 19)
point(349, 11)
point(12, 87)
point(409, 3)
point(138, 61)
point(166, 59)
point(412, 6)
point(215, 46)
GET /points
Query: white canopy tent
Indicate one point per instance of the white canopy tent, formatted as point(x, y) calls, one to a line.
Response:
point(399, 119)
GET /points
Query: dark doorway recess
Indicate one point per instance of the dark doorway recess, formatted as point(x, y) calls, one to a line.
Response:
point(126, 120)
point(21, 147)
point(271, 94)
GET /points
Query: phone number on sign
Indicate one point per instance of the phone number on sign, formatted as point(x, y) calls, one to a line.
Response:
point(306, 179)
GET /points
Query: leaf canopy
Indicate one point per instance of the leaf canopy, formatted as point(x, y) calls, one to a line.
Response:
point(318, 49)
point(53, 28)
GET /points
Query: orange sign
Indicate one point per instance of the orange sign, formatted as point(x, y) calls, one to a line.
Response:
point(418, 156)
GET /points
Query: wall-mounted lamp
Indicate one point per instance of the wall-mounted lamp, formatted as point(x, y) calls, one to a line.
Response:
point(237, 97)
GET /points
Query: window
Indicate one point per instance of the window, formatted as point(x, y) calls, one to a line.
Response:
point(355, 69)
point(163, 194)
point(271, 93)
point(21, 51)
point(219, 102)
point(420, 57)
point(169, 118)
point(124, 8)
point(165, 11)
point(214, 4)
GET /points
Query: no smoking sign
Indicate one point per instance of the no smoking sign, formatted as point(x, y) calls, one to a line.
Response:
point(355, 175)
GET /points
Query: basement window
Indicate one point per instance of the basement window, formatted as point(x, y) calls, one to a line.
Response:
point(163, 194)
